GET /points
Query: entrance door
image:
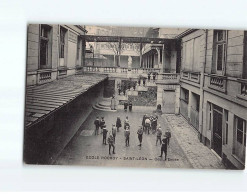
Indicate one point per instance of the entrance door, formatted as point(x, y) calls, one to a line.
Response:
point(217, 131)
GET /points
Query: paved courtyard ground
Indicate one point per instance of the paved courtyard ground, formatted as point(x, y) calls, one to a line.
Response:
point(87, 149)
point(200, 156)
point(184, 151)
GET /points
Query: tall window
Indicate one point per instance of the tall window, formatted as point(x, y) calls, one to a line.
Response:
point(241, 131)
point(62, 41)
point(44, 45)
point(220, 46)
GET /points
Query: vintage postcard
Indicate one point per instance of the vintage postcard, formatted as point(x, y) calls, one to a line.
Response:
point(135, 97)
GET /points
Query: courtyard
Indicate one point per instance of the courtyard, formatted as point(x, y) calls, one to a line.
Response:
point(87, 149)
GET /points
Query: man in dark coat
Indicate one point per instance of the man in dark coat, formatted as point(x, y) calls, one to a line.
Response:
point(164, 146)
point(104, 134)
point(102, 123)
point(97, 125)
point(130, 106)
point(140, 133)
point(118, 123)
point(125, 106)
point(110, 141)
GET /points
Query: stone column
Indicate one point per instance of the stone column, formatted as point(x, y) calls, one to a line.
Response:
point(163, 59)
point(177, 100)
point(141, 54)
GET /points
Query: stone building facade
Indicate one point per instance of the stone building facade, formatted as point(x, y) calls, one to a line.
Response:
point(53, 51)
point(213, 94)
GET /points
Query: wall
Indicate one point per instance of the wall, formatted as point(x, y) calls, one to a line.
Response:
point(44, 141)
point(233, 109)
point(235, 46)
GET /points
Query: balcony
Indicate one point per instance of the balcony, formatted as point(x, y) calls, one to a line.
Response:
point(191, 76)
point(44, 76)
point(243, 89)
point(218, 83)
point(168, 78)
point(119, 71)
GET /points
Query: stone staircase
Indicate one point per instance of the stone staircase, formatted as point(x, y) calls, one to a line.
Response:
point(104, 105)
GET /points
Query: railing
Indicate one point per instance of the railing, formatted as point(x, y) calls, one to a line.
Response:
point(169, 76)
point(120, 70)
point(110, 69)
point(217, 83)
point(44, 77)
point(62, 72)
point(243, 89)
point(191, 76)
point(124, 70)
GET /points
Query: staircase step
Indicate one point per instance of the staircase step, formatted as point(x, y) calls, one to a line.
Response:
point(106, 110)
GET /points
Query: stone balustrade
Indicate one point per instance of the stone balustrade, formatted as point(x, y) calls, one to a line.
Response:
point(120, 70)
point(218, 83)
point(191, 76)
point(242, 94)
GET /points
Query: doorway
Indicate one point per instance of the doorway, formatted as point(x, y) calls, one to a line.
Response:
point(217, 129)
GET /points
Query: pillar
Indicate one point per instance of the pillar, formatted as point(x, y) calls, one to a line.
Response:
point(119, 49)
point(83, 52)
point(163, 59)
point(141, 54)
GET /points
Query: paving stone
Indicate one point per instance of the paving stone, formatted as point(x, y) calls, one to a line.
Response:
point(199, 155)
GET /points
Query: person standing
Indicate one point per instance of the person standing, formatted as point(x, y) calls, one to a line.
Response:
point(159, 134)
point(154, 77)
point(144, 82)
point(143, 122)
point(154, 124)
point(111, 143)
point(149, 76)
point(118, 123)
point(168, 135)
point(130, 106)
point(102, 123)
point(114, 132)
point(147, 124)
point(104, 134)
point(125, 106)
point(126, 122)
point(164, 147)
point(97, 125)
point(127, 136)
point(134, 86)
point(140, 133)
point(113, 103)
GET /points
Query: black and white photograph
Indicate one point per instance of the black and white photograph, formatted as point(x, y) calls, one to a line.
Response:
point(110, 96)
point(135, 97)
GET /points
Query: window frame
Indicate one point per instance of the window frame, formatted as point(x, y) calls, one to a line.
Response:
point(222, 43)
point(46, 39)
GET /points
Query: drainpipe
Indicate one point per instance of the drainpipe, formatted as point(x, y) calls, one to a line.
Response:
point(202, 85)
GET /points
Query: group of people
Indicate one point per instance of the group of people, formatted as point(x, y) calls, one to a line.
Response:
point(150, 122)
point(123, 88)
point(128, 104)
point(153, 74)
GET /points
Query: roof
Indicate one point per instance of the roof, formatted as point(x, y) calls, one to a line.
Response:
point(42, 100)
point(186, 32)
